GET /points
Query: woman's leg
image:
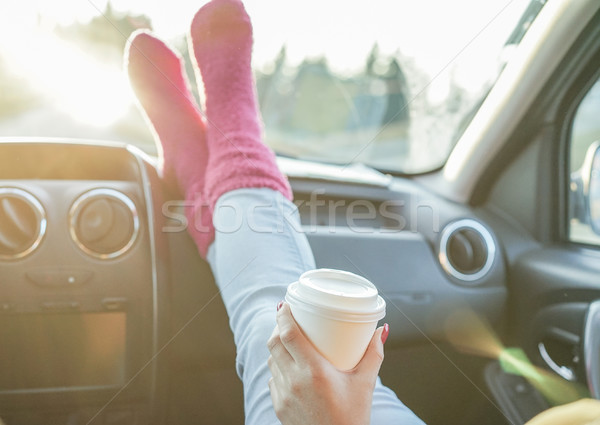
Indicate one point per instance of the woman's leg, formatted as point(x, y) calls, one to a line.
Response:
point(256, 254)
point(259, 249)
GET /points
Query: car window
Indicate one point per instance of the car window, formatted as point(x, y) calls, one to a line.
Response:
point(389, 83)
point(585, 141)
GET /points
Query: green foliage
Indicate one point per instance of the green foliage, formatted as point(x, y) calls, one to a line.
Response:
point(16, 96)
point(110, 29)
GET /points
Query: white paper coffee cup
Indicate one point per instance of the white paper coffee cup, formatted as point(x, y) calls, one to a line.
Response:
point(338, 312)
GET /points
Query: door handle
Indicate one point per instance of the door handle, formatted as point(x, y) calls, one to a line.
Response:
point(591, 348)
point(563, 371)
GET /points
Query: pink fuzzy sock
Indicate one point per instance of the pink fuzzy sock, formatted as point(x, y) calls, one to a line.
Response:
point(221, 35)
point(157, 77)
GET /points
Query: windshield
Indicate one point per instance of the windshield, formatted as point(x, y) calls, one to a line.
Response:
point(388, 83)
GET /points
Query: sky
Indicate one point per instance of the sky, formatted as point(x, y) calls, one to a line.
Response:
point(343, 29)
point(458, 39)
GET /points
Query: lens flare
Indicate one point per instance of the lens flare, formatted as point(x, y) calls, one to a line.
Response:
point(469, 333)
point(555, 389)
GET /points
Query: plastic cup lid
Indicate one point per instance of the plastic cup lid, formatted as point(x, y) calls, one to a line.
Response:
point(337, 293)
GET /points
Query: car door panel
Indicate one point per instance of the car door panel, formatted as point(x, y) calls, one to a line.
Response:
point(405, 269)
point(551, 282)
point(398, 252)
point(555, 287)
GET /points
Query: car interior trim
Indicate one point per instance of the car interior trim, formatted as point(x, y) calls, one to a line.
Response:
point(490, 244)
point(80, 203)
point(41, 219)
point(146, 187)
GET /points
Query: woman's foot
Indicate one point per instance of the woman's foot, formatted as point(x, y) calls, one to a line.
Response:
point(158, 79)
point(159, 82)
point(221, 35)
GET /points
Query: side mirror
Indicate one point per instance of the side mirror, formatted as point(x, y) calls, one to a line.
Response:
point(592, 194)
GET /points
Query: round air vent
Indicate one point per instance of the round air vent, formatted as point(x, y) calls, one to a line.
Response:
point(467, 250)
point(104, 223)
point(22, 223)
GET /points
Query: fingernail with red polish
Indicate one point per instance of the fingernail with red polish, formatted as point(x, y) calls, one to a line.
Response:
point(385, 333)
point(279, 305)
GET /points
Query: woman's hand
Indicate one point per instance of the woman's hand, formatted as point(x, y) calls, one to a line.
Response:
point(307, 389)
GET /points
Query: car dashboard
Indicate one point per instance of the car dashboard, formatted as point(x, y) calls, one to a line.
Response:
point(81, 305)
point(108, 314)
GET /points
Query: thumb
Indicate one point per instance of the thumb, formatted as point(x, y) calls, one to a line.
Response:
point(373, 357)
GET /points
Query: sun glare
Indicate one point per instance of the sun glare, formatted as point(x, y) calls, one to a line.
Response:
point(425, 62)
point(75, 82)
point(94, 92)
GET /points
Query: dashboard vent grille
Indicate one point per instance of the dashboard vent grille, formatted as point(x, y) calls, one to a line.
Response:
point(467, 250)
point(104, 223)
point(22, 223)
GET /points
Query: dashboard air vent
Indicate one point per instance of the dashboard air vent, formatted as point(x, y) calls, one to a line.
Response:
point(467, 250)
point(104, 223)
point(22, 223)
